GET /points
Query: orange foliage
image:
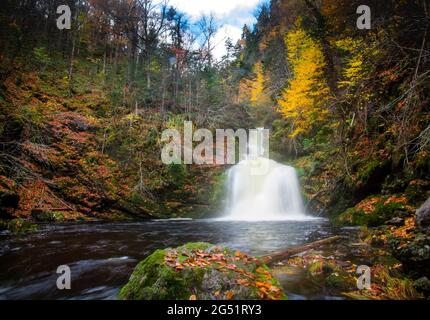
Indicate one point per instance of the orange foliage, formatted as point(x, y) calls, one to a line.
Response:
point(261, 280)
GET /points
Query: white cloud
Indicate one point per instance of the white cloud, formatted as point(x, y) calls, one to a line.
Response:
point(227, 31)
point(219, 8)
point(230, 16)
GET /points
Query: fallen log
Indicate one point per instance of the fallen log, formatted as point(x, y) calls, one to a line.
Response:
point(41, 210)
point(287, 253)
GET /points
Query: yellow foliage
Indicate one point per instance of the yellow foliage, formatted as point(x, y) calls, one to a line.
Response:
point(354, 69)
point(257, 86)
point(253, 90)
point(304, 100)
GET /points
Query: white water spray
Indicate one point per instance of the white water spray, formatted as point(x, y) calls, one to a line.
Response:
point(262, 189)
point(272, 196)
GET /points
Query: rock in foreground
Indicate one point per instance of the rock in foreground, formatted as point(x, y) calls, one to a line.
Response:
point(423, 215)
point(201, 271)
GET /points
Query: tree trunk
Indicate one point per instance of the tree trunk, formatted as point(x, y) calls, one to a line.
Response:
point(287, 253)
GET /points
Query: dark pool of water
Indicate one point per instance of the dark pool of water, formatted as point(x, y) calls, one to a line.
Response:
point(102, 256)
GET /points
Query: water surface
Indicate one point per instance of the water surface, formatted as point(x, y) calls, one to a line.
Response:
point(103, 255)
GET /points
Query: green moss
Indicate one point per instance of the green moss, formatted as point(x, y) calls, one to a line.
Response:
point(422, 163)
point(48, 216)
point(418, 191)
point(177, 174)
point(387, 260)
point(195, 246)
point(316, 267)
point(145, 273)
point(340, 281)
point(414, 253)
point(218, 191)
point(329, 274)
point(152, 279)
point(20, 225)
point(353, 217)
point(381, 212)
point(368, 170)
point(387, 211)
point(156, 278)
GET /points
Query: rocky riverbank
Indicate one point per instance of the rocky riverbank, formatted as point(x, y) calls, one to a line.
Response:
point(396, 253)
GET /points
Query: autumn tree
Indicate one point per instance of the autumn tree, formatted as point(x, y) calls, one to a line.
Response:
point(304, 100)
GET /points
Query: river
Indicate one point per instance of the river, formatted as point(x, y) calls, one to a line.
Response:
point(102, 256)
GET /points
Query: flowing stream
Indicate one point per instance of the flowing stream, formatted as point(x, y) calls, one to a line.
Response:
point(264, 214)
point(102, 256)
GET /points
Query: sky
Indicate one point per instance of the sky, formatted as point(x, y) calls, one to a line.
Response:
point(230, 17)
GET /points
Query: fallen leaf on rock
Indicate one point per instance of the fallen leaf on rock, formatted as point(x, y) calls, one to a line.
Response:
point(229, 295)
point(243, 282)
point(231, 267)
point(274, 289)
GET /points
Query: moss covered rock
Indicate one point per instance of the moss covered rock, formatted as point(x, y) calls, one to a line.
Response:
point(423, 215)
point(201, 271)
point(330, 274)
point(47, 215)
point(20, 225)
point(414, 253)
point(374, 211)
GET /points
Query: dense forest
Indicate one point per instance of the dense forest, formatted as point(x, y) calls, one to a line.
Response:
point(82, 111)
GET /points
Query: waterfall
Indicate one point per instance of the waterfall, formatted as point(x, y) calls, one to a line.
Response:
point(262, 189)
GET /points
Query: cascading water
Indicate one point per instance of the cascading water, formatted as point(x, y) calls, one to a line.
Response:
point(271, 194)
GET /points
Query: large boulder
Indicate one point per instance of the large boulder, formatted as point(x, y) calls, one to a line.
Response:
point(423, 215)
point(375, 211)
point(414, 254)
point(201, 271)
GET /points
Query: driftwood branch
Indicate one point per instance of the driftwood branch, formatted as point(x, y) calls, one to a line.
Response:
point(41, 210)
point(287, 253)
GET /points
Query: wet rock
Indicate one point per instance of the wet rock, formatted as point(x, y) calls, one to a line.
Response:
point(397, 221)
point(201, 271)
point(373, 211)
point(422, 284)
point(423, 215)
point(340, 281)
point(413, 253)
